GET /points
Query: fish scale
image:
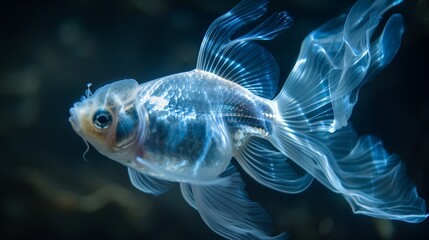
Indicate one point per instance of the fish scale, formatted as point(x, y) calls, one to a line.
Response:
point(189, 126)
point(210, 97)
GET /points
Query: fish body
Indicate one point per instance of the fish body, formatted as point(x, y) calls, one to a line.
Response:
point(195, 122)
point(187, 127)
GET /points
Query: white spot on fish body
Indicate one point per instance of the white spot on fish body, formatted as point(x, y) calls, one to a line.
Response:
point(159, 102)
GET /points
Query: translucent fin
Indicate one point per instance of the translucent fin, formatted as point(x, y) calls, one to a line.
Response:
point(225, 208)
point(187, 194)
point(335, 61)
point(318, 98)
point(239, 59)
point(372, 181)
point(271, 168)
point(147, 183)
point(339, 143)
point(382, 180)
point(386, 46)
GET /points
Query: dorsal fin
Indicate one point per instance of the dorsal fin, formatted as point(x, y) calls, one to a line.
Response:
point(239, 59)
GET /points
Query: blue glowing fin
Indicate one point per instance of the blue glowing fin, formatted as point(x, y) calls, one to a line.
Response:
point(147, 183)
point(317, 101)
point(226, 209)
point(271, 168)
point(334, 62)
point(384, 49)
point(372, 181)
point(240, 59)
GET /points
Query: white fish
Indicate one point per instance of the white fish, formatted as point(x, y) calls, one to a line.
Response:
point(186, 127)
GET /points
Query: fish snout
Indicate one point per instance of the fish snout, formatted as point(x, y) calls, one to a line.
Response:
point(74, 120)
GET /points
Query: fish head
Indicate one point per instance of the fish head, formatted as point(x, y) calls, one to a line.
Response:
point(108, 119)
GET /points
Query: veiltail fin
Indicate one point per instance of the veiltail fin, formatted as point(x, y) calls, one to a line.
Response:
point(317, 100)
point(334, 62)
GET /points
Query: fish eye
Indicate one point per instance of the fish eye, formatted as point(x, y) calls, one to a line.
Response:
point(102, 119)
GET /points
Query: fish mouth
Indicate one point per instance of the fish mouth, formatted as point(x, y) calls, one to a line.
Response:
point(74, 121)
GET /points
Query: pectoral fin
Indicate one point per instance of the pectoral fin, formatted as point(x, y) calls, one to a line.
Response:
point(147, 183)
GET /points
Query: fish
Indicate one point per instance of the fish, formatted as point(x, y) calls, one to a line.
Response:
point(196, 128)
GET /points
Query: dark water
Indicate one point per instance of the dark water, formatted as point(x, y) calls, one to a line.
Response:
point(51, 49)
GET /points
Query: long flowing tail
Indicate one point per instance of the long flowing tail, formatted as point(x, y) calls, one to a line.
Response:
point(317, 101)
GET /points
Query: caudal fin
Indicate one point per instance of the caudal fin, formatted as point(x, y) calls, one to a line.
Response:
point(317, 101)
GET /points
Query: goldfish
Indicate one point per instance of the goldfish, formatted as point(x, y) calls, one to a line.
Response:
point(195, 128)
